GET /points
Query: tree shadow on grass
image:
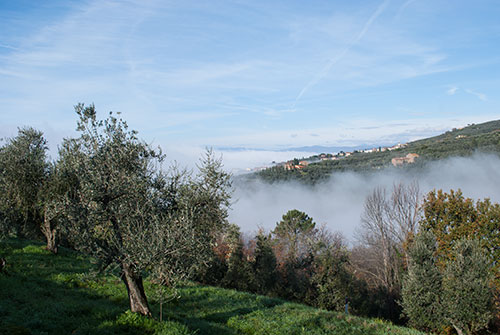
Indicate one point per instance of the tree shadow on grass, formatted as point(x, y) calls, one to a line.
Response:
point(44, 306)
point(42, 293)
point(207, 310)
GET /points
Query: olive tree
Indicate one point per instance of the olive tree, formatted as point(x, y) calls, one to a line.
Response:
point(458, 293)
point(23, 172)
point(467, 288)
point(128, 213)
point(422, 285)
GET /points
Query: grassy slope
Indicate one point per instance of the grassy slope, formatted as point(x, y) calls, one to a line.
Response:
point(42, 293)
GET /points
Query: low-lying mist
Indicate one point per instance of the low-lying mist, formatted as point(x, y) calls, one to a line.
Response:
point(338, 202)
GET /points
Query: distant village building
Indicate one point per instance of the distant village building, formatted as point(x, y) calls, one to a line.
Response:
point(290, 165)
point(397, 146)
point(408, 159)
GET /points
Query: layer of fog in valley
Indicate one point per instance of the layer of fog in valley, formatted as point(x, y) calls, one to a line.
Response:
point(338, 202)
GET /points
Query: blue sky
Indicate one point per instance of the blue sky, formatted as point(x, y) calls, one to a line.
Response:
point(251, 74)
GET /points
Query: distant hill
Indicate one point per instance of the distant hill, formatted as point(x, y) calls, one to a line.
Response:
point(463, 142)
point(323, 149)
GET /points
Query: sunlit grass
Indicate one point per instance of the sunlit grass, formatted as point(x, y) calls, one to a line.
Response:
point(41, 293)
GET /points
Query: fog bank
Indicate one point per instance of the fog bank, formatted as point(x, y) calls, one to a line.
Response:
point(338, 202)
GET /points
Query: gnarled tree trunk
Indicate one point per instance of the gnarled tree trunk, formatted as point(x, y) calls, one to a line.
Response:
point(3, 263)
point(459, 331)
point(135, 289)
point(50, 233)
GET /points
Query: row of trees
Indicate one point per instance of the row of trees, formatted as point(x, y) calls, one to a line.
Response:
point(109, 196)
point(431, 260)
point(437, 258)
point(297, 261)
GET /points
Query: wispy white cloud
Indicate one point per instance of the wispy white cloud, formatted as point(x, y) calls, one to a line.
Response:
point(452, 90)
point(320, 75)
point(115, 46)
point(225, 73)
point(403, 7)
point(6, 46)
point(214, 74)
point(479, 95)
point(349, 133)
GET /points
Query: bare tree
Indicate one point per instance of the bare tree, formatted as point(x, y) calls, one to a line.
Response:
point(405, 210)
point(387, 223)
point(377, 234)
point(405, 214)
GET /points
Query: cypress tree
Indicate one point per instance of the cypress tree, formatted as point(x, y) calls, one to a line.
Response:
point(264, 266)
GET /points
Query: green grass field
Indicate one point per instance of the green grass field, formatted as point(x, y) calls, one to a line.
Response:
point(41, 293)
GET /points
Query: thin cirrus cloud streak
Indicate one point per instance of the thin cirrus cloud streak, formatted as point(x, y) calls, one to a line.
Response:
point(403, 7)
point(479, 95)
point(62, 50)
point(454, 89)
point(365, 131)
point(224, 73)
point(324, 72)
point(6, 46)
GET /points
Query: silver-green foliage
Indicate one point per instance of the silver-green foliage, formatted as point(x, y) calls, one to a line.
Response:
point(125, 210)
point(457, 293)
point(23, 172)
point(421, 291)
point(467, 291)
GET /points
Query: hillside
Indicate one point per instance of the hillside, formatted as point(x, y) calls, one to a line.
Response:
point(42, 293)
point(462, 142)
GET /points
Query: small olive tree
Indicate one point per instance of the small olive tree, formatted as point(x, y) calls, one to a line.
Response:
point(422, 285)
point(126, 212)
point(467, 288)
point(459, 295)
point(23, 173)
